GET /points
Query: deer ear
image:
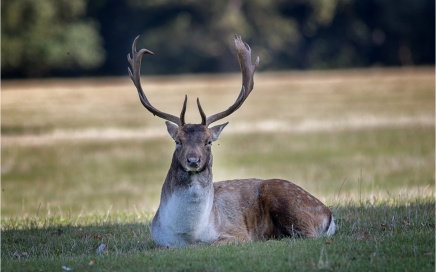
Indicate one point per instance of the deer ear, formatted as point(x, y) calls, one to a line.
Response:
point(172, 129)
point(216, 131)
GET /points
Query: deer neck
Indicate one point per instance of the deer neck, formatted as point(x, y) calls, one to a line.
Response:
point(187, 197)
point(184, 213)
point(195, 185)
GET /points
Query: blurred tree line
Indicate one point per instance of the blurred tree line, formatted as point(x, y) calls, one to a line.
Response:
point(92, 37)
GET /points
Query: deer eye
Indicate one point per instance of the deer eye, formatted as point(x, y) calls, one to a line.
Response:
point(178, 143)
point(208, 143)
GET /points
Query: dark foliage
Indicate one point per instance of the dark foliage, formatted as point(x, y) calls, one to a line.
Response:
point(87, 38)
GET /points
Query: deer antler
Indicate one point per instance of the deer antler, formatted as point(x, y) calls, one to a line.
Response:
point(135, 63)
point(243, 52)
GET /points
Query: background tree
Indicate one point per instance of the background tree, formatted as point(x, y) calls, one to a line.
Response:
point(40, 37)
point(93, 37)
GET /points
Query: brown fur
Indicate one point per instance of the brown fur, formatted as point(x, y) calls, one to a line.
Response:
point(268, 209)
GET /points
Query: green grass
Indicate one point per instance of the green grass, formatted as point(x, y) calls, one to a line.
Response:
point(393, 235)
point(83, 164)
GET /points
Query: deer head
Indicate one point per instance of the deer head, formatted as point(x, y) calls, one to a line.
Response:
point(193, 145)
point(194, 141)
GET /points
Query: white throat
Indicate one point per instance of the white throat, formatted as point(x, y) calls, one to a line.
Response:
point(186, 215)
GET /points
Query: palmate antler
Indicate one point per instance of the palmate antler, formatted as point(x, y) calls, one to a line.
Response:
point(243, 52)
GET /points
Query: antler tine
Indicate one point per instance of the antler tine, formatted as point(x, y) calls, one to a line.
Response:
point(243, 52)
point(135, 63)
point(182, 114)
point(203, 115)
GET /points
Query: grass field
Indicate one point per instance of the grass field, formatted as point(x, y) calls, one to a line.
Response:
point(83, 163)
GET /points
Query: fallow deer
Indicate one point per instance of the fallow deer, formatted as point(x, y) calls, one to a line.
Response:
point(195, 210)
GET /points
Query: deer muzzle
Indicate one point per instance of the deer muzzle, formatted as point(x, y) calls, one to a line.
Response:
point(193, 163)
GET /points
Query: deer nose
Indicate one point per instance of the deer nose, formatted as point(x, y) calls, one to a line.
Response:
point(193, 162)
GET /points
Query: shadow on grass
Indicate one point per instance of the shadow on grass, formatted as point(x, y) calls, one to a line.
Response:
point(386, 235)
point(70, 241)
